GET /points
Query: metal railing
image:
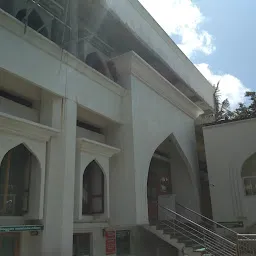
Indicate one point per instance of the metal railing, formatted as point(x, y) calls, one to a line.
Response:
point(206, 222)
point(246, 244)
point(180, 226)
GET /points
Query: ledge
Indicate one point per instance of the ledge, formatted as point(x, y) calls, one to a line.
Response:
point(153, 35)
point(83, 227)
point(28, 129)
point(136, 66)
point(94, 147)
point(228, 123)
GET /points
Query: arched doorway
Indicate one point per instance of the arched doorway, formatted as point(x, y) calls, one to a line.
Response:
point(17, 170)
point(159, 179)
point(93, 190)
point(170, 181)
point(34, 21)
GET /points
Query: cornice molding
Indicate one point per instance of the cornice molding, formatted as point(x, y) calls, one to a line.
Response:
point(22, 127)
point(173, 47)
point(96, 148)
point(154, 80)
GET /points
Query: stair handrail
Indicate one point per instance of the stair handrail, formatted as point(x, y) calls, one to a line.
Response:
point(199, 226)
point(210, 247)
point(210, 220)
point(237, 237)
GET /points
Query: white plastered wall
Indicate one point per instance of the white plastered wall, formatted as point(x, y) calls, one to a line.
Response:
point(227, 147)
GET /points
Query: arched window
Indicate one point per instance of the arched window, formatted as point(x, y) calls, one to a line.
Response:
point(15, 174)
point(93, 189)
point(249, 175)
point(34, 21)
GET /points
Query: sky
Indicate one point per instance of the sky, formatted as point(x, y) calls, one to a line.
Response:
point(217, 36)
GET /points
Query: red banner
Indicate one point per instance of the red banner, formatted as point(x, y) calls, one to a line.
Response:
point(110, 242)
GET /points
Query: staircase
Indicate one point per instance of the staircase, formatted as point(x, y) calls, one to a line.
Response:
point(195, 235)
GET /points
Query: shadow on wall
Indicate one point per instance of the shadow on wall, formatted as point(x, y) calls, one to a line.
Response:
point(170, 176)
point(107, 69)
point(33, 20)
point(150, 245)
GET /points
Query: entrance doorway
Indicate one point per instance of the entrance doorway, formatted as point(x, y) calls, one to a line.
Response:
point(9, 244)
point(82, 244)
point(159, 183)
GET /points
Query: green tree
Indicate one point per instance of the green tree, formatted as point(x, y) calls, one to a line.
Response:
point(245, 111)
point(221, 107)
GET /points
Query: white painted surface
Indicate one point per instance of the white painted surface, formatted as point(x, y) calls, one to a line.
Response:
point(140, 117)
point(227, 147)
point(148, 120)
point(150, 129)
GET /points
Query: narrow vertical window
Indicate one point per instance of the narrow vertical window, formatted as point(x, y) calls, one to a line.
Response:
point(93, 190)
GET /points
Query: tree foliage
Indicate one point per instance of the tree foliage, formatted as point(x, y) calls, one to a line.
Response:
point(221, 107)
point(243, 111)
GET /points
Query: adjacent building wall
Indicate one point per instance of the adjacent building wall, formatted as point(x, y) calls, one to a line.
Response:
point(227, 147)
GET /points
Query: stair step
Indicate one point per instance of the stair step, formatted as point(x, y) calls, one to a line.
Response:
point(188, 243)
point(189, 232)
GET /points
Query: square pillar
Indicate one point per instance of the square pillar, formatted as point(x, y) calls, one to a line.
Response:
point(57, 237)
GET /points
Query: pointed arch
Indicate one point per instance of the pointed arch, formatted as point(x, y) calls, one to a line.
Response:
point(93, 189)
point(95, 161)
point(183, 157)
point(159, 179)
point(15, 175)
point(171, 138)
point(171, 176)
point(34, 21)
point(248, 174)
point(16, 144)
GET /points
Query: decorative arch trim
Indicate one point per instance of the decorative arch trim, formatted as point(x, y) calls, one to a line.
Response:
point(15, 144)
point(173, 139)
point(97, 163)
point(245, 162)
point(189, 170)
point(184, 158)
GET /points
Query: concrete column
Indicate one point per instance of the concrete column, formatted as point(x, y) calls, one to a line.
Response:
point(57, 236)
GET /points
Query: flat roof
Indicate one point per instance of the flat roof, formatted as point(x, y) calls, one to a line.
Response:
point(228, 121)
